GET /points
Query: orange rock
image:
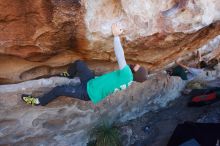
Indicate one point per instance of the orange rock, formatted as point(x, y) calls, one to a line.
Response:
point(40, 38)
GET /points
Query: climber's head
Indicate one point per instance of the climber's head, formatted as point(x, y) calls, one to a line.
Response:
point(139, 72)
point(212, 63)
point(202, 64)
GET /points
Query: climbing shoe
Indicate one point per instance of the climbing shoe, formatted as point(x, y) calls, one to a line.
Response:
point(30, 99)
point(65, 74)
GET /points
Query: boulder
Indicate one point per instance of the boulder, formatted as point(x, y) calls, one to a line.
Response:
point(68, 121)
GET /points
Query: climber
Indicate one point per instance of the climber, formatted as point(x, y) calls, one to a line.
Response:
point(189, 73)
point(185, 72)
point(200, 97)
point(91, 87)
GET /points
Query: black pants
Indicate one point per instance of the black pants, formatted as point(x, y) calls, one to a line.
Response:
point(196, 92)
point(179, 71)
point(79, 91)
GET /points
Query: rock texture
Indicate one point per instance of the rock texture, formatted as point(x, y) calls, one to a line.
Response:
point(156, 128)
point(40, 38)
point(67, 121)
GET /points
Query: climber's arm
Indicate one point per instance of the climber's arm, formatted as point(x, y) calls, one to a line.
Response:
point(119, 52)
point(199, 56)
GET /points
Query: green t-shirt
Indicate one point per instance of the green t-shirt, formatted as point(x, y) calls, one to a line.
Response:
point(102, 86)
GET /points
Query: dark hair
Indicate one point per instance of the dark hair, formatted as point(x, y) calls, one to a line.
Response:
point(140, 75)
point(212, 63)
point(202, 64)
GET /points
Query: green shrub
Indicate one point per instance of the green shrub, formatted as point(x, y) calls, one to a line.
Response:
point(106, 135)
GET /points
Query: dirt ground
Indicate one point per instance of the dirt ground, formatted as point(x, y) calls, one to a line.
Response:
point(155, 128)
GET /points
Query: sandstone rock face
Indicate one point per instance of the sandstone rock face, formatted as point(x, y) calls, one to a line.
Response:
point(39, 38)
point(67, 121)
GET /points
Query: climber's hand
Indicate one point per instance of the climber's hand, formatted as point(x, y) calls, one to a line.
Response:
point(177, 62)
point(116, 30)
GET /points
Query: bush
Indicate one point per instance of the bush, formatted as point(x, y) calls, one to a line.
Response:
point(105, 135)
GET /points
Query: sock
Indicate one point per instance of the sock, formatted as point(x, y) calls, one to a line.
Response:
point(37, 101)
